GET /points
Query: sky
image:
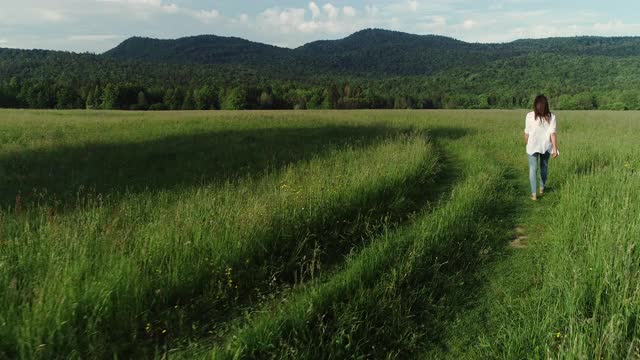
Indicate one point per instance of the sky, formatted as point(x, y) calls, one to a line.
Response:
point(98, 25)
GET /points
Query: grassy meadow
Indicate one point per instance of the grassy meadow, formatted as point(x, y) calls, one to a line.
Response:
point(316, 234)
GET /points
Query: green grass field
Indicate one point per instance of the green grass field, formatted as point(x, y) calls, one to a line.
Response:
point(355, 234)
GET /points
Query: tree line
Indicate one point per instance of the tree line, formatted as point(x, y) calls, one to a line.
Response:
point(59, 80)
point(46, 95)
point(126, 96)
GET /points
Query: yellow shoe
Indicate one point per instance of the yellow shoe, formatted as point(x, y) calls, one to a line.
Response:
point(534, 197)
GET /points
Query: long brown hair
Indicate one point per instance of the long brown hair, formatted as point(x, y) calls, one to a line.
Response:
point(541, 108)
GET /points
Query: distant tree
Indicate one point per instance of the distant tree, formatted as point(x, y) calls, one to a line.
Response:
point(173, 99)
point(584, 101)
point(266, 100)
point(315, 101)
point(205, 98)
point(331, 97)
point(482, 102)
point(158, 107)
point(9, 96)
point(297, 99)
point(631, 99)
point(89, 103)
point(236, 99)
point(142, 102)
point(39, 95)
point(404, 102)
point(110, 97)
point(188, 101)
point(97, 98)
point(154, 94)
point(68, 97)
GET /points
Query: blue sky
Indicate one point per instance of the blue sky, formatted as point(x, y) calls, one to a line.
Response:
point(98, 25)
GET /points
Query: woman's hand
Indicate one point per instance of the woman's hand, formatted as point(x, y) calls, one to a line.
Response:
point(555, 153)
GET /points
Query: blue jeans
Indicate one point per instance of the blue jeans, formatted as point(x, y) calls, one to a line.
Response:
point(533, 170)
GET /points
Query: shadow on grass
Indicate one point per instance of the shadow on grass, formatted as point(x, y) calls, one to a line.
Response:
point(60, 175)
point(377, 320)
point(415, 313)
point(332, 240)
point(192, 160)
point(460, 285)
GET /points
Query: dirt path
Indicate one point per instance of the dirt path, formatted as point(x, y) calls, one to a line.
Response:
point(520, 239)
point(506, 279)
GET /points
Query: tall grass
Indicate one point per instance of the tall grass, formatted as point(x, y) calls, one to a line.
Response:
point(587, 303)
point(379, 304)
point(150, 266)
point(314, 235)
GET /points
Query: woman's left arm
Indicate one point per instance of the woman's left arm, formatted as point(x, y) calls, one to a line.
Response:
point(554, 138)
point(554, 141)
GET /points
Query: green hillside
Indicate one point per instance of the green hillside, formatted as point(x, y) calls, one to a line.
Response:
point(368, 69)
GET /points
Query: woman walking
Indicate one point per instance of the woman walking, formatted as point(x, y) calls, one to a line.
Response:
point(540, 137)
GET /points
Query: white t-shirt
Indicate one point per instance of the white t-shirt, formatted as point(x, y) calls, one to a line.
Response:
point(539, 133)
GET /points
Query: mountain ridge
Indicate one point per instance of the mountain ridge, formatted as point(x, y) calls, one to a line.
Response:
point(368, 69)
point(368, 31)
point(366, 51)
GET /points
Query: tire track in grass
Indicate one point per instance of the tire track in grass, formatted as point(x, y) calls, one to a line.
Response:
point(581, 300)
point(506, 277)
point(313, 322)
point(102, 293)
point(428, 194)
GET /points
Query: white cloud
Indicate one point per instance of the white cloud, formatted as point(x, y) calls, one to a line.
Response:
point(170, 8)
point(413, 5)
point(328, 19)
point(315, 10)
point(432, 25)
point(349, 11)
point(286, 20)
point(93, 37)
point(144, 8)
point(50, 15)
point(469, 24)
point(371, 10)
point(206, 16)
point(330, 10)
point(616, 27)
point(80, 24)
point(4, 41)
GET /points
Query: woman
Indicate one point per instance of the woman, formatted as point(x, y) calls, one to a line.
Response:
point(540, 137)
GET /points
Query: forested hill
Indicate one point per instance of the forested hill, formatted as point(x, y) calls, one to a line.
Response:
point(379, 52)
point(371, 51)
point(203, 49)
point(368, 69)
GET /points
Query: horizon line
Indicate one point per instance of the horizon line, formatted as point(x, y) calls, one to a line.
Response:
point(126, 38)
